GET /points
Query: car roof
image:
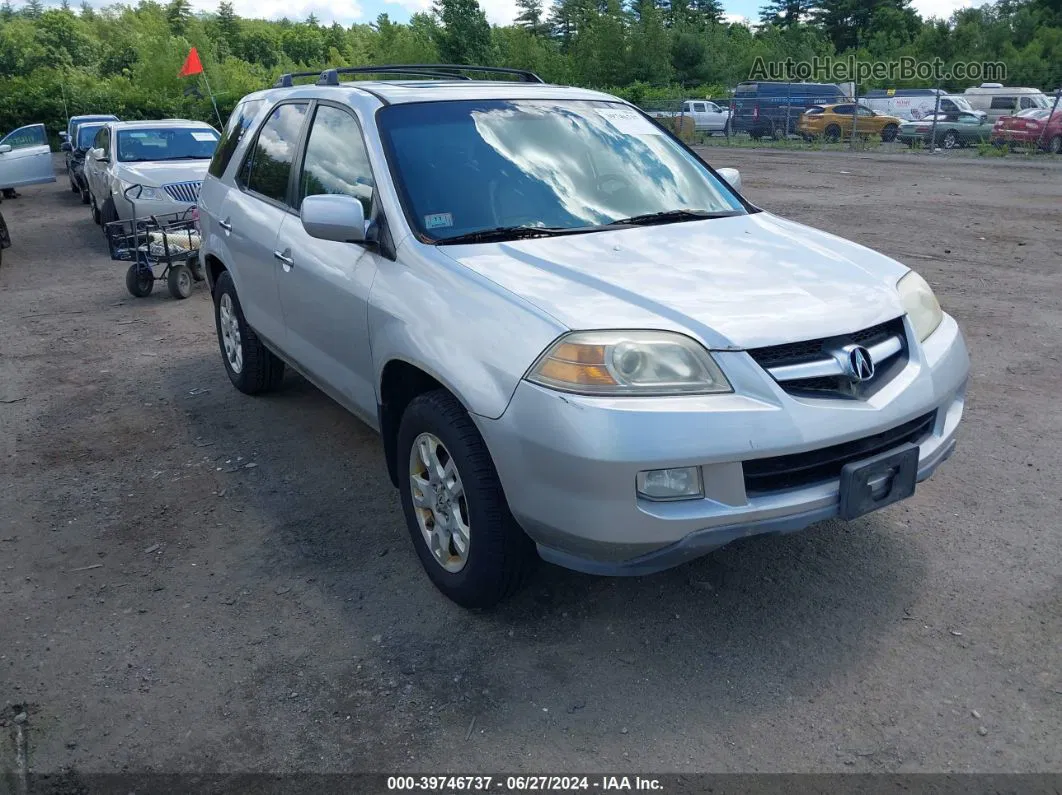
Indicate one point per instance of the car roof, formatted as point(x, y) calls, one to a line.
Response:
point(397, 92)
point(95, 116)
point(133, 125)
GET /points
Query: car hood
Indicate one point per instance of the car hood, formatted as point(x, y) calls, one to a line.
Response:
point(163, 172)
point(739, 282)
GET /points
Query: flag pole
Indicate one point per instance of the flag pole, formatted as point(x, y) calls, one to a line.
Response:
point(221, 124)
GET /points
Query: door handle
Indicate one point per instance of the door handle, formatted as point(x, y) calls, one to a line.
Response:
point(225, 225)
point(285, 260)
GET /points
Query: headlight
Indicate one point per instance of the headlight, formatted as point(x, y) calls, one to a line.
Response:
point(145, 194)
point(920, 303)
point(628, 363)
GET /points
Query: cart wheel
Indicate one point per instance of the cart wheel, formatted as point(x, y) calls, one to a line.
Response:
point(196, 267)
point(179, 280)
point(139, 280)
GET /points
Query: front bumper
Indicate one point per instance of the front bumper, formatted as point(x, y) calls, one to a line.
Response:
point(568, 463)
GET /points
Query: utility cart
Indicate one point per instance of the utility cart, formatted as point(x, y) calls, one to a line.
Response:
point(169, 240)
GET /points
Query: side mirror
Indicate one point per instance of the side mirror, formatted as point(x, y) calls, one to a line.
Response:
point(339, 218)
point(5, 148)
point(66, 147)
point(65, 136)
point(732, 176)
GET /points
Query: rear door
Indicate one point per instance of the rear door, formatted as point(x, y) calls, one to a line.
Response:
point(324, 285)
point(253, 211)
point(25, 157)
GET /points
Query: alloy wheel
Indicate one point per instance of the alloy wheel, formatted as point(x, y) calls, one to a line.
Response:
point(230, 333)
point(439, 501)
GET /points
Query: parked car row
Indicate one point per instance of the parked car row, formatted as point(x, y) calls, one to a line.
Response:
point(775, 109)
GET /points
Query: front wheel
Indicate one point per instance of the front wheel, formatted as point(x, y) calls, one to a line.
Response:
point(139, 280)
point(888, 132)
point(94, 209)
point(466, 538)
point(250, 365)
point(951, 140)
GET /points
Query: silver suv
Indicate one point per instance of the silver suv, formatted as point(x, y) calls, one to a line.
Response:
point(575, 337)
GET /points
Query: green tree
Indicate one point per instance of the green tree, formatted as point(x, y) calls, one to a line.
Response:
point(178, 14)
point(228, 25)
point(465, 35)
point(530, 16)
point(33, 9)
point(787, 13)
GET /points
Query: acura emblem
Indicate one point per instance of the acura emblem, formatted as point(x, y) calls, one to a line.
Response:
point(860, 365)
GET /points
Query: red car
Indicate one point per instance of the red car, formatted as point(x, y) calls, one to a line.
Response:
point(1028, 129)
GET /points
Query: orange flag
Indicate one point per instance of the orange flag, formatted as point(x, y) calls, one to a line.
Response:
point(192, 64)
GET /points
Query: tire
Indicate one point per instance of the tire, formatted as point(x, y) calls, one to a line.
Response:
point(256, 370)
point(108, 213)
point(888, 133)
point(1054, 146)
point(84, 195)
point(73, 186)
point(196, 267)
point(832, 134)
point(179, 280)
point(94, 209)
point(950, 140)
point(139, 280)
point(499, 557)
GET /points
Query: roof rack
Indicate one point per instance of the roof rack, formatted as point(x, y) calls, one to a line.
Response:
point(285, 80)
point(330, 77)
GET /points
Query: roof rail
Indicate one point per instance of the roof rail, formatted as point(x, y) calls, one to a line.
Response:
point(330, 77)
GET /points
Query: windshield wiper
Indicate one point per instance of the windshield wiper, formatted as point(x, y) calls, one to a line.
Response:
point(500, 233)
point(673, 216)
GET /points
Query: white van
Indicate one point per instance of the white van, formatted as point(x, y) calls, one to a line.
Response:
point(912, 104)
point(998, 100)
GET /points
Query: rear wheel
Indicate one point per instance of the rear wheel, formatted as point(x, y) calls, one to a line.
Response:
point(832, 133)
point(179, 280)
point(465, 536)
point(251, 366)
point(1054, 146)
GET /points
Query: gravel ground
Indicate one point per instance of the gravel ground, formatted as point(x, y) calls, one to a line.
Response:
point(195, 580)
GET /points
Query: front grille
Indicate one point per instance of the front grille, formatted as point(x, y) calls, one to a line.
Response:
point(822, 350)
point(187, 192)
point(816, 466)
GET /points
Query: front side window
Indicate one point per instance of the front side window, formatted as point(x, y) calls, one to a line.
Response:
point(237, 126)
point(336, 160)
point(864, 111)
point(268, 166)
point(23, 137)
point(166, 143)
point(102, 140)
point(470, 166)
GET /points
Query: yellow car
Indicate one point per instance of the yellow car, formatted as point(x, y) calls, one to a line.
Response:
point(834, 122)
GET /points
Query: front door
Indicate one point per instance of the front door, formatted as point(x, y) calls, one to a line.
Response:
point(25, 157)
point(324, 285)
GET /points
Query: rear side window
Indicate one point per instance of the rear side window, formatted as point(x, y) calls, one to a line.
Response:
point(268, 165)
point(1002, 103)
point(239, 121)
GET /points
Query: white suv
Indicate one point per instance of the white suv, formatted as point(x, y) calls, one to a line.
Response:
point(575, 337)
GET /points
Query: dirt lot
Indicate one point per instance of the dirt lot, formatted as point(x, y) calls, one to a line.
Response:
point(195, 580)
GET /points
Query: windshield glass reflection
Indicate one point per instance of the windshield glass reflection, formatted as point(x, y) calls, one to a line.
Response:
point(470, 166)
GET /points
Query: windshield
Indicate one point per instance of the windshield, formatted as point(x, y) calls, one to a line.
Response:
point(85, 135)
point(470, 166)
point(962, 104)
point(173, 143)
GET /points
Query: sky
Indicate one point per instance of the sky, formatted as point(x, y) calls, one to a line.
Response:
point(498, 12)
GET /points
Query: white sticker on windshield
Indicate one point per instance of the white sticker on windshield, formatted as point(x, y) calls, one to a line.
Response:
point(438, 220)
point(629, 122)
point(203, 136)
